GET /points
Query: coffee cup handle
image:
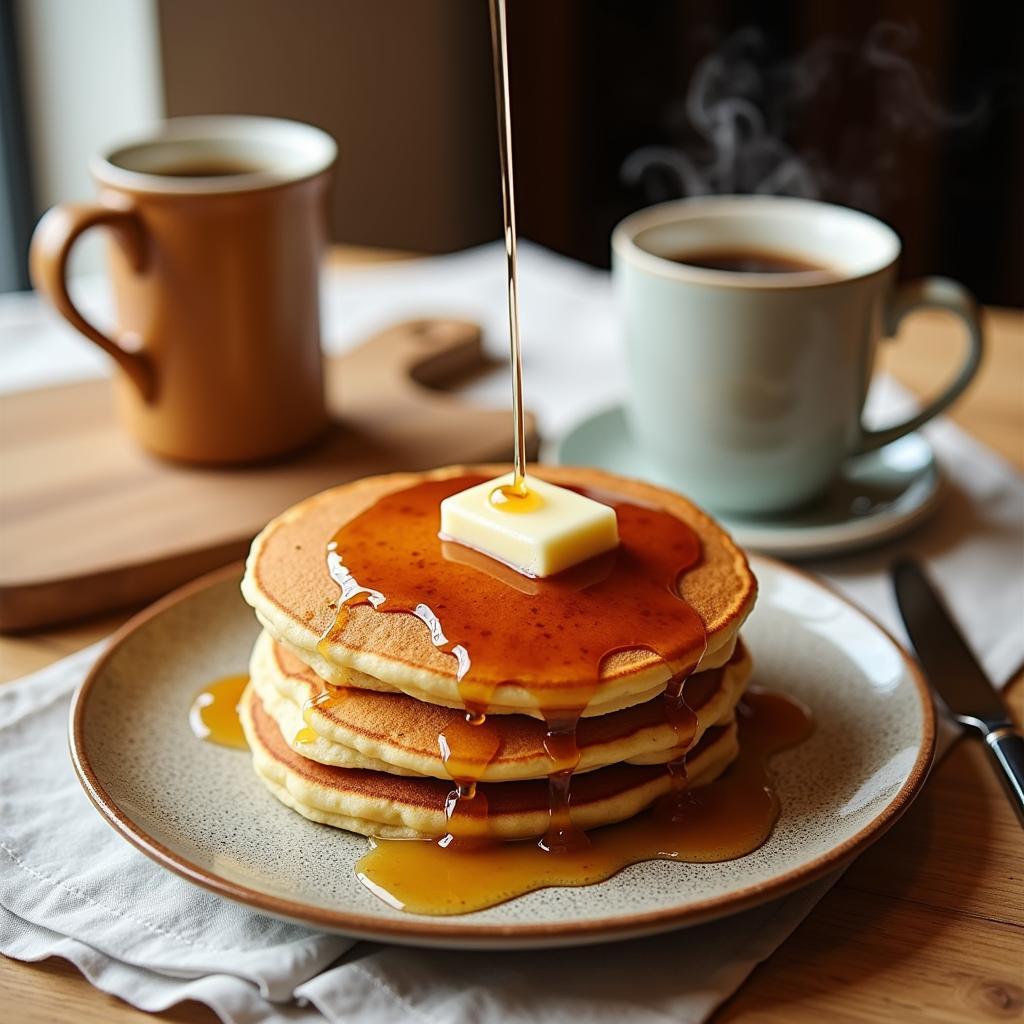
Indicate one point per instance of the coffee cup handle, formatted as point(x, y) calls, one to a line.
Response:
point(52, 241)
point(933, 293)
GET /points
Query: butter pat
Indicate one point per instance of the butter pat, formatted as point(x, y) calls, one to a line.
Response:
point(553, 529)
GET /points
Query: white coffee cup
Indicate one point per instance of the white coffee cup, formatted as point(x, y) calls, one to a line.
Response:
point(749, 388)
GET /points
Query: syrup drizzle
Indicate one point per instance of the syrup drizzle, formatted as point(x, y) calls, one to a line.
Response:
point(213, 715)
point(556, 633)
point(561, 747)
point(327, 699)
point(720, 821)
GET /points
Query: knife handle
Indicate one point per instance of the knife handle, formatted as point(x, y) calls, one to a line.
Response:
point(1007, 747)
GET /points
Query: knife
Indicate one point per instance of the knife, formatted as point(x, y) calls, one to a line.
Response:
point(955, 673)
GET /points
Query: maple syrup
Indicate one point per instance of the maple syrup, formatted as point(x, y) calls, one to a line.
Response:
point(550, 637)
point(214, 712)
point(720, 821)
point(516, 499)
point(499, 53)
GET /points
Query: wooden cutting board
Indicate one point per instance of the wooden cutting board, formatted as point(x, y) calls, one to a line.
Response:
point(89, 522)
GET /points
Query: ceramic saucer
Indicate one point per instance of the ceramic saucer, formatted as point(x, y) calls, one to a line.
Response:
point(876, 497)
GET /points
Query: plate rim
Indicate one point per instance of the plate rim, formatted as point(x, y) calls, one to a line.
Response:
point(440, 931)
point(798, 542)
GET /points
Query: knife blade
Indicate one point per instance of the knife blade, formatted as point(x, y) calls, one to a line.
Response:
point(954, 672)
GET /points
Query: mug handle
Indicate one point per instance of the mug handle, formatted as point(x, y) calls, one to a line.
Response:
point(934, 293)
point(52, 241)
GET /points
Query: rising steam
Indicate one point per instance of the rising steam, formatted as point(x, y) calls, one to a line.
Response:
point(732, 129)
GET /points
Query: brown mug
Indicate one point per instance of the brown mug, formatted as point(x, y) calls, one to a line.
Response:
point(218, 225)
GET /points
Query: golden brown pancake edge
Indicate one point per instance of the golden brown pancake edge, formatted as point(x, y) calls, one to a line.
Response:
point(286, 581)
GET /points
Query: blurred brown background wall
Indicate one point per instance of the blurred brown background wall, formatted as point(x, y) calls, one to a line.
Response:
point(403, 85)
point(910, 109)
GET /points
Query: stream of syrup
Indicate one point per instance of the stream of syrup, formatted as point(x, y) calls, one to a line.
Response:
point(518, 491)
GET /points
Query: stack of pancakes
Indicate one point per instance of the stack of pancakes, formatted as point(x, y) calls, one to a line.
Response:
point(345, 730)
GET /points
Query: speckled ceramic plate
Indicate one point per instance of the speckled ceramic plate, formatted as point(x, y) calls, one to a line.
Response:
point(199, 810)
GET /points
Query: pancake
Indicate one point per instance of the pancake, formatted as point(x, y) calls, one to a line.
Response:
point(287, 583)
point(395, 733)
point(392, 806)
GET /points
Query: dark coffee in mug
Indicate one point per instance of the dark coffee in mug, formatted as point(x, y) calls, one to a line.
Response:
point(748, 261)
point(209, 168)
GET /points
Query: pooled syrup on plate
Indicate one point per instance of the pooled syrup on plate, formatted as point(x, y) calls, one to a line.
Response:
point(720, 821)
point(214, 712)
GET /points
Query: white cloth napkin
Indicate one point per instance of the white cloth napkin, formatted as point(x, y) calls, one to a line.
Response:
point(70, 887)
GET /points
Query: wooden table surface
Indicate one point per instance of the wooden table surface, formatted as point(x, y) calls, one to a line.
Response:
point(928, 925)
